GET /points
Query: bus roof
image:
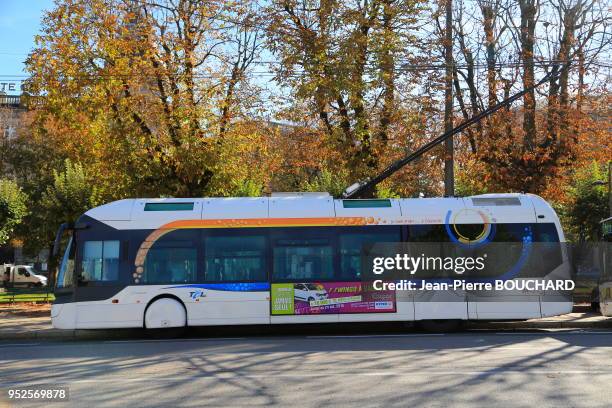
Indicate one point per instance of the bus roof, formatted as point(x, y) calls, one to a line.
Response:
point(153, 213)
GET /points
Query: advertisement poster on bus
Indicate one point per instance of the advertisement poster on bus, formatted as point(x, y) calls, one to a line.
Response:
point(329, 297)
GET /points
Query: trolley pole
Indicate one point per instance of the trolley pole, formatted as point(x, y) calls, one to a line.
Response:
point(449, 162)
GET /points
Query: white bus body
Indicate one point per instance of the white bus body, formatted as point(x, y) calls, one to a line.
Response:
point(109, 272)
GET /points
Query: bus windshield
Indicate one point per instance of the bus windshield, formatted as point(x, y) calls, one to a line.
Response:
point(66, 270)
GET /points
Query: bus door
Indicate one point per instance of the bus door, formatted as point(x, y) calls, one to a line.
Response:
point(496, 233)
point(302, 276)
point(234, 288)
point(102, 296)
point(427, 235)
point(366, 303)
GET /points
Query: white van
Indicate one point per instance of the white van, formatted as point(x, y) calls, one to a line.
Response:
point(21, 275)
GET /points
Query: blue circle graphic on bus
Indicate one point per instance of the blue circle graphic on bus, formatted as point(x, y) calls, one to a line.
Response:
point(484, 237)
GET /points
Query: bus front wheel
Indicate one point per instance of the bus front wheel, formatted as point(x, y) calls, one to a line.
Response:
point(165, 313)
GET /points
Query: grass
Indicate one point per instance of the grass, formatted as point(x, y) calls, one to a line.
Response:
point(16, 296)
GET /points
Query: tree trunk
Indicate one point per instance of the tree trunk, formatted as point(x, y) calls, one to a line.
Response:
point(565, 48)
point(387, 72)
point(52, 269)
point(558, 99)
point(459, 96)
point(552, 120)
point(528, 22)
point(449, 173)
point(362, 128)
point(227, 101)
point(488, 15)
point(470, 79)
point(508, 118)
point(581, 72)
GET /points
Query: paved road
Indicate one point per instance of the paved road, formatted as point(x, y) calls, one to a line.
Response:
point(538, 369)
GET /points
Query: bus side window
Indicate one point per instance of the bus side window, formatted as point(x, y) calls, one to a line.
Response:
point(100, 261)
point(547, 232)
point(235, 258)
point(513, 232)
point(427, 233)
point(548, 246)
point(353, 244)
point(172, 258)
point(303, 259)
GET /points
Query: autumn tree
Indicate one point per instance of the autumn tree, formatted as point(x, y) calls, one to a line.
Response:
point(147, 93)
point(342, 61)
point(528, 145)
point(165, 98)
point(588, 202)
point(13, 208)
point(70, 193)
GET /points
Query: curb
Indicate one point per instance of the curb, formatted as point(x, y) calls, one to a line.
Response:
point(56, 334)
point(571, 324)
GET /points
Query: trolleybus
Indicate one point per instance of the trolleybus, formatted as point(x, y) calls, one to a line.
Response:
point(287, 258)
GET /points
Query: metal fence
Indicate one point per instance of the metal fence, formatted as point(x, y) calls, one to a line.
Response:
point(11, 294)
point(10, 100)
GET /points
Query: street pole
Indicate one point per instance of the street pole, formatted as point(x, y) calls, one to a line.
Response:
point(449, 174)
point(610, 188)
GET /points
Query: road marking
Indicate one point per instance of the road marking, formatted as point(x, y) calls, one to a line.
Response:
point(241, 375)
point(549, 333)
point(365, 336)
point(175, 340)
point(19, 345)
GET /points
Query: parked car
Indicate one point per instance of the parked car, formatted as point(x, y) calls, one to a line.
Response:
point(21, 275)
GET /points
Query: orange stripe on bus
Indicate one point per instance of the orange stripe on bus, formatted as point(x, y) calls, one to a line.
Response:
point(241, 223)
point(269, 222)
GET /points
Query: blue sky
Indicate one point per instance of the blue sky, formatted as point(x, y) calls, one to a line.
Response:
point(19, 23)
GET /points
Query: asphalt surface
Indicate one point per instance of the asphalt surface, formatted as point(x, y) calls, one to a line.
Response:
point(540, 368)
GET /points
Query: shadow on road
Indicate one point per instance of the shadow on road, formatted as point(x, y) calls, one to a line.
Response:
point(244, 364)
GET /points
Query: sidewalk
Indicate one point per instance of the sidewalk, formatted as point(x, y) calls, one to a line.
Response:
point(35, 324)
point(582, 317)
